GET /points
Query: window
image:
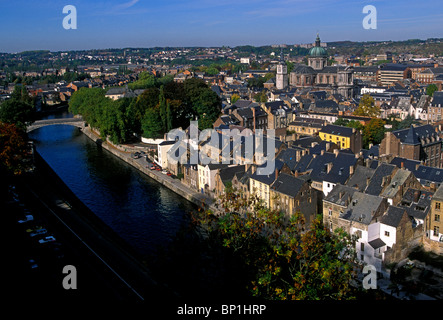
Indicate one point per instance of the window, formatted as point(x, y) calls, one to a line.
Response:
point(387, 233)
point(437, 206)
point(330, 212)
point(436, 231)
point(362, 246)
point(437, 217)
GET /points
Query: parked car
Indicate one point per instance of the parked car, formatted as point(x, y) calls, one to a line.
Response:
point(46, 239)
point(28, 217)
point(38, 232)
point(33, 264)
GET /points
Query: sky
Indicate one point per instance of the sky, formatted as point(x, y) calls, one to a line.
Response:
point(38, 25)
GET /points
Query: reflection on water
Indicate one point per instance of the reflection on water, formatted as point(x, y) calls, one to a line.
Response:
point(139, 209)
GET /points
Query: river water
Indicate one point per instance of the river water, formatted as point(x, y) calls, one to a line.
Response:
point(140, 210)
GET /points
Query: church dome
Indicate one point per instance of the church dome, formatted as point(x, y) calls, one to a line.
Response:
point(317, 51)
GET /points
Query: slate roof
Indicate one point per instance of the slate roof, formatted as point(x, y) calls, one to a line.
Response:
point(377, 243)
point(414, 135)
point(360, 178)
point(267, 179)
point(345, 192)
point(424, 174)
point(325, 104)
point(374, 151)
point(337, 130)
point(227, 173)
point(375, 185)
point(339, 172)
point(393, 67)
point(393, 216)
point(247, 112)
point(437, 98)
point(397, 181)
point(362, 207)
point(289, 156)
point(417, 203)
point(288, 185)
point(303, 69)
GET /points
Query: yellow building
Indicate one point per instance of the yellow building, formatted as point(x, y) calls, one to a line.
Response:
point(344, 137)
point(435, 219)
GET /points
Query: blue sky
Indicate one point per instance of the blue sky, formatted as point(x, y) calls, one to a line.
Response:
point(32, 25)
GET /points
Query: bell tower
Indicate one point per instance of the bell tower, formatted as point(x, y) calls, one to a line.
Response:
point(281, 79)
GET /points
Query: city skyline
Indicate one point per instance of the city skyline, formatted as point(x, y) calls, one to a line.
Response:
point(27, 25)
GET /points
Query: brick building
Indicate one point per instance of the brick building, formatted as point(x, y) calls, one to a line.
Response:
point(421, 143)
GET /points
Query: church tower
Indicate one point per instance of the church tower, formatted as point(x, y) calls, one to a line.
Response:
point(281, 79)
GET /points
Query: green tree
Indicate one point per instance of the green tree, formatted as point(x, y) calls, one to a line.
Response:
point(88, 102)
point(373, 132)
point(430, 89)
point(162, 109)
point(367, 107)
point(282, 257)
point(16, 112)
point(152, 124)
point(234, 98)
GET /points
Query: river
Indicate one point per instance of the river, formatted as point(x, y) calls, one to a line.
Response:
point(140, 210)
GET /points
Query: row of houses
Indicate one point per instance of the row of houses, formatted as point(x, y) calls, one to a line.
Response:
point(392, 204)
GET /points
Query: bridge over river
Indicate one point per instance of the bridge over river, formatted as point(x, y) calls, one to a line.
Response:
point(77, 122)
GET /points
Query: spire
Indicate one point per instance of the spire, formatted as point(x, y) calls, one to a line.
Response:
point(282, 57)
point(411, 137)
point(317, 41)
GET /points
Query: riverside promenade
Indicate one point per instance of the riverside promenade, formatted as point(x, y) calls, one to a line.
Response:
point(173, 184)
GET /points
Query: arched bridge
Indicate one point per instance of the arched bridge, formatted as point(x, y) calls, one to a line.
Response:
point(77, 122)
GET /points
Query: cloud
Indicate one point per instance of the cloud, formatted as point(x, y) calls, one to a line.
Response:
point(127, 4)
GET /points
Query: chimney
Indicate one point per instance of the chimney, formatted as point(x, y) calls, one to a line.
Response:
point(329, 167)
point(296, 173)
point(253, 116)
point(253, 169)
point(351, 170)
point(402, 165)
point(417, 165)
point(247, 166)
point(336, 152)
point(322, 152)
point(276, 173)
point(416, 195)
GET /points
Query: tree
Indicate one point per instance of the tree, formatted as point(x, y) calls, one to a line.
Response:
point(430, 89)
point(282, 257)
point(234, 98)
point(162, 109)
point(13, 148)
point(367, 108)
point(207, 108)
point(374, 131)
point(16, 112)
point(88, 102)
point(152, 124)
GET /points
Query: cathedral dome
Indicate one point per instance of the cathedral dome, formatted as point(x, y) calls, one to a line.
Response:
point(317, 51)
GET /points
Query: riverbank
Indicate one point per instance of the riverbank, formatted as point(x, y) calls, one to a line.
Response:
point(107, 266)
point(124, 153)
